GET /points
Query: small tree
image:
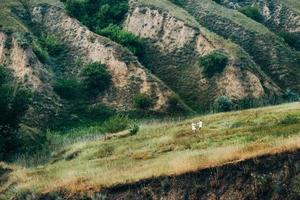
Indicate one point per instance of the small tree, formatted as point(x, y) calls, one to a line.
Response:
point(143, 101)
point(52, 45)
point(214, 62)
point(14, 102)
point(129, 40)
point(67, 88)
point(223, 104)
point(116, 124)
point(252, 12)
point(292, 39)
point(174, 104)
point(96, 78)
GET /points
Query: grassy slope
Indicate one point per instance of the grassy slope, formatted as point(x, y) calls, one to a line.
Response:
point(166, 148)
point(292, 4)
point(11, 22)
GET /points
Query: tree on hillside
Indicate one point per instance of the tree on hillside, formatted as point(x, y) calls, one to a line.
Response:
point(14, 102)
point(96, 78)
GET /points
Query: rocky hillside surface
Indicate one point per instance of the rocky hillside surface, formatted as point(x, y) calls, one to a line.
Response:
point(174, 47)
point(268, 50)
point(129, 77)
point(261, 65)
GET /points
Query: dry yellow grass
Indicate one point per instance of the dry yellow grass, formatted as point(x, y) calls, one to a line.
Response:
point(166, 148)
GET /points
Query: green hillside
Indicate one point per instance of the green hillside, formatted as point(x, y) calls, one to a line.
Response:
point(160, 148)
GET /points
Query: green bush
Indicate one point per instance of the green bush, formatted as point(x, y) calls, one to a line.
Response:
point(14, 102)
point(142, 101)
point(292, 39)
point(134, 129)
point(96, 78)
point(98, 14)
point(223, 104)
point(41, 54)
point(116, 124)
point(252, 12)
point(291, 96)
point(67, 88)
point(290, 119)
point(213, 63)
point(217, 1)
point(51, 45)
point(174, 104)
point(117, 34)
point(178, 2)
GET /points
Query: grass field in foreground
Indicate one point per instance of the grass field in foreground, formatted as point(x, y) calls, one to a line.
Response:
point(166, 148)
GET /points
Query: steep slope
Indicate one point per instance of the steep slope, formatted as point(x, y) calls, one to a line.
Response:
point(129, 77)
point(278, 14)
point(269, 51)
point(18, 34)
point(30, 72)
point(169, 156)
point(174, 44)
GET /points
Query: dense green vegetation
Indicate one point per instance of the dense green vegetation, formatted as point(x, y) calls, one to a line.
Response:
point(14, 102)
point(104, 17)
point(51, 44)
point(178, 2)
point(143, 101)
point(252, 12)
point(41, 54)
point(116, 124)
point(117, 34)
point(96, 78)
point(292, 39)
point(68, 88)
point(213, 63)
point(223, 104)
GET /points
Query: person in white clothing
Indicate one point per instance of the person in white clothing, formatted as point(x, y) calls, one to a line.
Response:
point(200, 124)
point(194, 127)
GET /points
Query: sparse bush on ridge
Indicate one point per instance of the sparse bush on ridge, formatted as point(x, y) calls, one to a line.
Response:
point(213, 63)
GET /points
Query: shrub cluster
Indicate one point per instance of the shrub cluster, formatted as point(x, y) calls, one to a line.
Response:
point(67, 88)
point(129, 40)
point(292, 39)
point(41, 54)
point(142, 101)
point(51, 44)
point(14, 102)
point(213, 63)
point(178, 2)
point(97, 14)
point(104, 17)
point(223, 104)
point(95, 78)
point(252, 12)
point(116, 124)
